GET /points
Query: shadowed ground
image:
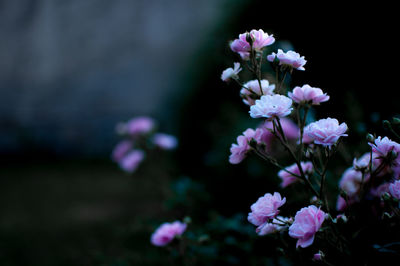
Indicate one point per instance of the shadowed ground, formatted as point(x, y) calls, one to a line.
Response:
point(79, 213)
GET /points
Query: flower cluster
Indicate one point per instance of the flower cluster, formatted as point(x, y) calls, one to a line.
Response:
point(254, 40)
point(371, 186)
point(371, 176)
point(138, 136)
point(264, 210)
point(269, 102)
point(290, 59)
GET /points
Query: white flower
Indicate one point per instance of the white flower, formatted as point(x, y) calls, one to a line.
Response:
point(270, 106)
point(229, 73)
point(253, 85)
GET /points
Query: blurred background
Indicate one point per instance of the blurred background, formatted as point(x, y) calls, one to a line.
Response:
point(71, 70)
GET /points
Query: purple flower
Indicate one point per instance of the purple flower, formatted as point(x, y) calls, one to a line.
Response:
point(165, 141)
point(271, 106)
point(326, 132)
point(394, 189)
point(264, 210)
point(130, 162)
point(383, 148)
point(362, 162)
point(167, 232)
point(259, 39)
point(137, 126)
point(289, 58)
point(249, 98)
point(121, 149)
point(229, 73)
point(239, 150)
point(288, 179)
point(351, 181)
point(380, 190)
point(308, 94)
point(307, 222)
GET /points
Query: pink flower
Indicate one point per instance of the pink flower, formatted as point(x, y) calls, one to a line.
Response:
point(121, 150)
point(249, 98)
point(137, 126)
point(274, 226)
point(271, 106)
point(239, 150)
point(259, 38)
point(341, 204)
point(308, 94)
point(351, 181)
point(289, 58)
point(326, 132)
point(167, 232)
point(362, 162)
point(229, 73)
point(394, 189)
point(306, 139)
point(307, 222)
point(380, 190)
point(383, 147)
point(265, 209)
point(290, 130)
point(165, 141)
point(288, 179)
point(131, 161)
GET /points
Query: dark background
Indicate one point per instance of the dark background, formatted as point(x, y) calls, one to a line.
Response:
point(69, 71)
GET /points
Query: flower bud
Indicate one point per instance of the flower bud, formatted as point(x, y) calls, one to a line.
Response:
point(249, 39)
point(370, 138)
point(386, 124)
point(396, 121)
point(319, 256)
point(187, 220)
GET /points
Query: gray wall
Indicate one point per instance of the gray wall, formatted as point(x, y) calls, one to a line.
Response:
point(69, 70)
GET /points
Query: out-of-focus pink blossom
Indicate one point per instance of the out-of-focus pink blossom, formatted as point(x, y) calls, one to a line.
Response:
point(259, 38)
point(253, 85)
point(289, 58)
point(165, 141)
point(307, 222)
point(288, 178)
point(130, 162)
point(229, 73)
point(239, 150)
point(121, 149)
point(341, 204)
point(308, 94)
point(271, 106)
point(306, 138)
point(166, 232)
point(362, 162)
point(380, 190)
point(394, 189)
point(290, 129)
point(383, 147)
point(137, 126)
point(351, 181)
point(326, 132)
point(265, 209)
